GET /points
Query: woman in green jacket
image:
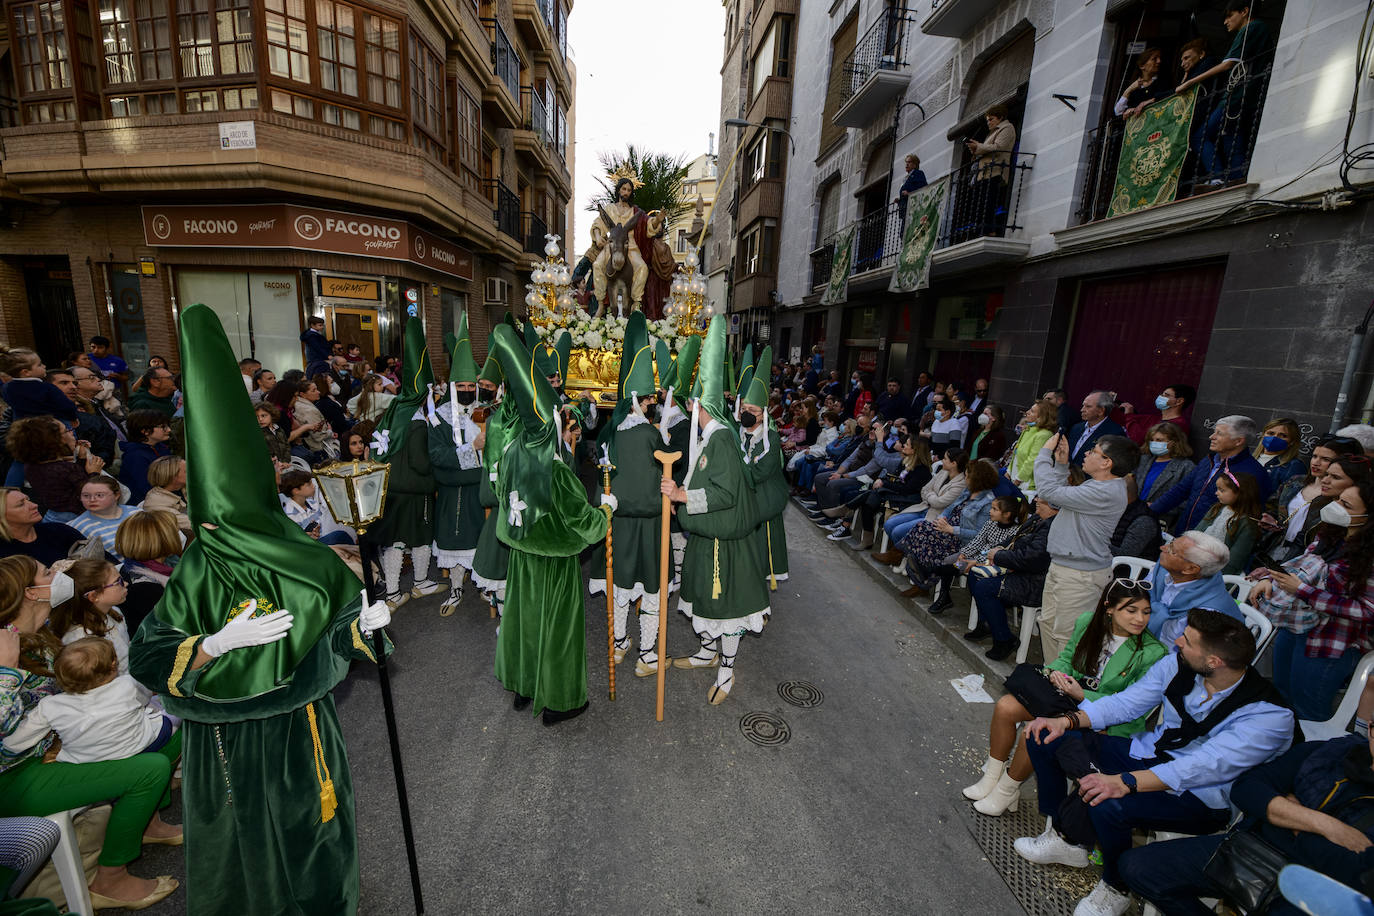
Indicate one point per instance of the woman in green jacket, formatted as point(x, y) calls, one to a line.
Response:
point(1109, 651)
point(1037, 425)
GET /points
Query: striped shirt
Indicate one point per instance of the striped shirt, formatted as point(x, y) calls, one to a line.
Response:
point(93, 526)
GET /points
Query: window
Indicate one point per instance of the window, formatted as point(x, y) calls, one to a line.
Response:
point(288, 42)
point(383, 40)
point(841, 47)
point(765, 158)
point(829, 217)
point(40, 34)
point(338, 47)
point(469, 140)
point(681, 241)
point(137, 40)
point(426, 96)
point(757, 247)
point(774, 57)
point(215, 38)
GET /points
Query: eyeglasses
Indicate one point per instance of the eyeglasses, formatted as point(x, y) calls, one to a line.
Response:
point(1126, 582)
point(115, 584)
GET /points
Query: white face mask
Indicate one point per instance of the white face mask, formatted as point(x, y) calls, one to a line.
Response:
point(1333, 513)
point(984, 419)
point(1159, 448)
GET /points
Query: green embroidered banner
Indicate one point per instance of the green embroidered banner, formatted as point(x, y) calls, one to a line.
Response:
point(837, 290)
point(1152, 153)
point(924, 211)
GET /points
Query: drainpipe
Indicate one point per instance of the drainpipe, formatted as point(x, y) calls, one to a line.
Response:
point(1352, 360)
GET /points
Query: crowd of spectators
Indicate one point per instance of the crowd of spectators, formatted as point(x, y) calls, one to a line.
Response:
point(1150, 567)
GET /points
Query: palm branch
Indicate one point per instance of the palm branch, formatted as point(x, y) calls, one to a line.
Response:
point(661, 174)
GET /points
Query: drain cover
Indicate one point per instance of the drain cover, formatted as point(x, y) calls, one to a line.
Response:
point(801, 693)
point(765, 729)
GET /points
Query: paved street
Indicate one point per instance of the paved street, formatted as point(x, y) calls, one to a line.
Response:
point(613, 813)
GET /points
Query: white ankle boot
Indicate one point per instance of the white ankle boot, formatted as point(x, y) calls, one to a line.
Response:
point(1005, 796)
point(992, 771)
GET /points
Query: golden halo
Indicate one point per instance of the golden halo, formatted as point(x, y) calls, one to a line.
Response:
point(624, 171)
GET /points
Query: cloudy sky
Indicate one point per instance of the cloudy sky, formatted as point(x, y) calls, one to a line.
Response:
point(647, 74)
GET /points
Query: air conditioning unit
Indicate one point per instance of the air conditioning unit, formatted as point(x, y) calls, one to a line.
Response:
point(496, 291)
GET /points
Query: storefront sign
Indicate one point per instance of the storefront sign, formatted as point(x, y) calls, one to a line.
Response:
point(349, 288)
point(287, 226)
point(238, 135)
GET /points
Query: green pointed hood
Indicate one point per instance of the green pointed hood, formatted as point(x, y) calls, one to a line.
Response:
point(562, 348)
point(461, 366)
point(663, 363)
point(757, 391)
point(685, 369)
point(536, 439)
point(746, 371)
point(417, 374)
point(636, 379)
point(709, 386)
point(491, 369)
point(230, 484)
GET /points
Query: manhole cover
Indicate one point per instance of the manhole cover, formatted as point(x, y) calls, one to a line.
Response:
point(801, 693)
point(765, 729)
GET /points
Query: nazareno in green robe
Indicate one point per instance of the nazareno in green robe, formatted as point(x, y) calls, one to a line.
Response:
point(764, 461)
point(492, 558)
point(457, 478)
point(541, 651)
point(638, 515)
point(723, 587)
point(408, 518)
point(679, 440)
point(266, 790)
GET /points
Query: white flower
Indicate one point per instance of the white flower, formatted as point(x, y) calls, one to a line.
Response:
point(593, 340)
point(617, 333)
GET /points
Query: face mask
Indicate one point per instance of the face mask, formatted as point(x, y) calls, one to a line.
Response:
point(651, 413)
point(854, 383)
point(465, 397)
point(747, 420)
point(1161, 403)
point(1159, 448)
point(1335, 514)
point(1275, 443)
point(984, 419)
point(939, 414)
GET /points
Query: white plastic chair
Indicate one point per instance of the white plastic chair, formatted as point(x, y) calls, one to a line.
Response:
point(1339, 724)
point(1030, 622)
point(1136, 567)
point(1239, 587)
point(66, 860)
point(1260, 626)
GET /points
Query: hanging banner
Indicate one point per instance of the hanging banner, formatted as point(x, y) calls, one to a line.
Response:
point(925, 210)
point(1152, 153)
point(837, 290)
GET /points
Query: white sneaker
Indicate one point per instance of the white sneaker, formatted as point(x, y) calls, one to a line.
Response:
point(1049, 848)
point(1104, 900)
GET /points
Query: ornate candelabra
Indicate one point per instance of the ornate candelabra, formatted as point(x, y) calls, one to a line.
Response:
point(687, 303)
point(550, 288)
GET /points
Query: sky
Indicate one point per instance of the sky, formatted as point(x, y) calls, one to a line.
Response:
point(648, 73)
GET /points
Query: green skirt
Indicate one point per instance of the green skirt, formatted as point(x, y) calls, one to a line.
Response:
point(492, 559)
point(408, 520)
point(541, 652)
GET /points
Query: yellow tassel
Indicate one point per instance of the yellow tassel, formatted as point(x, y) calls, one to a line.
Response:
point(329, 802)
point(715, 568)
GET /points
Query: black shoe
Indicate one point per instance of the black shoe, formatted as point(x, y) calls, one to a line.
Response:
point(1001, 650)
point(521, 702)
point(553, 717)
point(940, 605)
point(978, 633)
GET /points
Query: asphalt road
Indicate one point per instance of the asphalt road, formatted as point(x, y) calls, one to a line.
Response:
point(615, 813)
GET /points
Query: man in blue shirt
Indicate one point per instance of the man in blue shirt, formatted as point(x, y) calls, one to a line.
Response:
point(1198, 491)
point(110, 365)
point(1187, 576)
point(1220, 718)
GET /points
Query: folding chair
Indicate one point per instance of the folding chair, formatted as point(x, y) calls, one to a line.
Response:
point(1339, 724)
point(66, 859)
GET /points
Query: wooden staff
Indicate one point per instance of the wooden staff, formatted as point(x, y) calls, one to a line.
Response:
point(665, 556)
point(606, 468)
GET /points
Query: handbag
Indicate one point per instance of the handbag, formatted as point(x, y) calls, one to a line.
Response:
point(1246, 869)
point(1031, 685)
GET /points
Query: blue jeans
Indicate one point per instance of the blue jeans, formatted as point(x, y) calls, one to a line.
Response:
point(1221, 153)
point(1114, 819)
point(1310, 684)
point(1169, 875)
point(336, 537)
point(14, 477)
point(897, 527)
point(991, 610)
point(52, 515)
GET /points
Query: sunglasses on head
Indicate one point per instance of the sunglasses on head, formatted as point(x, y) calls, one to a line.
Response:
point(1141, 584)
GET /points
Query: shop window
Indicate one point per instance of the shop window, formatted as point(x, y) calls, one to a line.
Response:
point(288, 42)
point(260, 312)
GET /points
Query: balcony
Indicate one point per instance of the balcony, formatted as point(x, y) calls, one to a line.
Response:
point(534, 19)
point(501, 95)
point(773, 103)
point(762, 198)
point(877, 71)
point(954, 18)
point(978, 217)
point(534, 138)
point(534, 230)
point(1207, 168)
point(505, 208)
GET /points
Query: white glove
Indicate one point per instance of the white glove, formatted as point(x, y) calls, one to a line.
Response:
point(373, 616)
point(245, 630)
point(608, 499)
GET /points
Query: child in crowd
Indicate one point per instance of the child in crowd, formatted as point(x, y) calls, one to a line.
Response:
point(100, 715)
point(278, 444)
point(1006, 514)
point(356, 442)
point(1235, 519)
point(167, 475)
point(304, 507)
point(104, 513)
point(85, 602)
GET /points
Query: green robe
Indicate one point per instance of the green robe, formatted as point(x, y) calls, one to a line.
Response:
point(541, 650)
point(638, 515)
point(408, 517)
point(256, 838)
point(458, 512)
point(492, 559)
point(679, 441)
point(723, 587)
point(765, 468)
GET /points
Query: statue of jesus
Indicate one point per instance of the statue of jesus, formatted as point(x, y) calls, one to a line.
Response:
point(626, 217)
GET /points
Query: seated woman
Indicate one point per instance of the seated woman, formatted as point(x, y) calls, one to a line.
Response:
point(357, 442)
point(23, 531)
point(1279, 451)
point(55, 464)
point(315, 435)
point(372, 399)
point(92, 608)
point(990, 440)
point(1234, 519)
point(948, 484)
point(104, 514)
point(1295, 508)
point(1322, 604)
point(1004, 516)
point(929, 545)
point(137, 785)
point(264, 380)
point(1109, 651)
point(830, 431)
point(891, 491)
point(1013, 575)
point(168, 478)
point(150, 543)
point(1137, 532)
point(149, 432)
point(948, 427)
point(835, 451)
point(1165, 460)
point(329, 407)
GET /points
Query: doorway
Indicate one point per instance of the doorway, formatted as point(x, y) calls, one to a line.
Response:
point(52, 309)
point(356, 326)
point(131, 330)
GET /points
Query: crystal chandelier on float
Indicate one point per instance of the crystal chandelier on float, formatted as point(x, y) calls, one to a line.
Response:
point(549, 291)
point(687, 303)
